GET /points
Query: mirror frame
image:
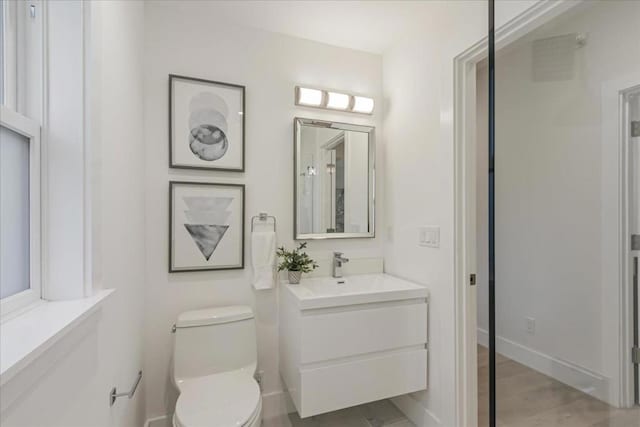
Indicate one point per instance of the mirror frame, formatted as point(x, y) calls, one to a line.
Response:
point(370, 130)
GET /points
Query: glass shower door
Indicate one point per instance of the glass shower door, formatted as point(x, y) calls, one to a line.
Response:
point(564, 212)
point(632, 124)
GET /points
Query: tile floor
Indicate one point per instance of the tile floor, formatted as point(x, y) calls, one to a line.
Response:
point(527, 398)
point(376, 414)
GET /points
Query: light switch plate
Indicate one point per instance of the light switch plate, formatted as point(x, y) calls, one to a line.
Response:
point(429, 236)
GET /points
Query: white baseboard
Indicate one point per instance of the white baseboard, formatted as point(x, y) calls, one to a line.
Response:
point(564, 371)
point(162, 421)
point(415, 411)
point(274, 403)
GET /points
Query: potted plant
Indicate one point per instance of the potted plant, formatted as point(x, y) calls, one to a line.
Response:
point(296, 262)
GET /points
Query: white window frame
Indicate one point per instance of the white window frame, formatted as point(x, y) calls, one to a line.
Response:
point(52, 63)
point(10, 53)
point(22, 56)
point(31, 130)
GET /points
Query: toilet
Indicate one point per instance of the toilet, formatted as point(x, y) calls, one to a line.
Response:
point(214, 363)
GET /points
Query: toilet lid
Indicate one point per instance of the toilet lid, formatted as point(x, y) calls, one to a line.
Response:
point(228, 399)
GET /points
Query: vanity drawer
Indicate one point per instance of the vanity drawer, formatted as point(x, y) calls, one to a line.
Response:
point(345, 384)
point(333, 334)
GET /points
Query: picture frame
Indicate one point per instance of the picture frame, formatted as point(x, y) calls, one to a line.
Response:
point(206, 226)
point(206, 124)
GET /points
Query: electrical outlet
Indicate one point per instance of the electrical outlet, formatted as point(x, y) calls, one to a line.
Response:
point(531, 325)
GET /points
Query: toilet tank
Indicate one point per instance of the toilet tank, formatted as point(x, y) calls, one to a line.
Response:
point(214, 340)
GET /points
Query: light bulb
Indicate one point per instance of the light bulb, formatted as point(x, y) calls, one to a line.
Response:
point(362, 104)
point(310, 97)
point(338, 101)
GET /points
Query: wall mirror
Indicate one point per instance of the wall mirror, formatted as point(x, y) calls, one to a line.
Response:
point(334, 180)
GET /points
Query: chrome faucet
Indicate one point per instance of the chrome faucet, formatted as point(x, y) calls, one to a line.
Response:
point(338, 260)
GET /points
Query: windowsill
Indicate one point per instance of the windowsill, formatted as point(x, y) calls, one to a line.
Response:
point(28, 335)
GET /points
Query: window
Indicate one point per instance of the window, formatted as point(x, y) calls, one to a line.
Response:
point(19, 210)
point(20, 214)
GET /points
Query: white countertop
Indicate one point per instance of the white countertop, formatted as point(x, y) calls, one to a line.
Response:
point(323, 292)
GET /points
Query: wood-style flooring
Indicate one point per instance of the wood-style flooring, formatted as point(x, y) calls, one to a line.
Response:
point(376, 414)
point(527, 398)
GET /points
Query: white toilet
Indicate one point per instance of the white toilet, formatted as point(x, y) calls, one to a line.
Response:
point(214, 362)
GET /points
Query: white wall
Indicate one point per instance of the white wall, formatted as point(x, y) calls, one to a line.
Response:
point(418, 130)
point(554, 194)
point(106, 350)
point(185, 38)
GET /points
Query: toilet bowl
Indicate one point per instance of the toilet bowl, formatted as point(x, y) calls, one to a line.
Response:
point(230, 399)
point(213, 368)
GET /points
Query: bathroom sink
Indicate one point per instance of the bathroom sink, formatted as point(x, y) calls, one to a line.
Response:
point(322, 292)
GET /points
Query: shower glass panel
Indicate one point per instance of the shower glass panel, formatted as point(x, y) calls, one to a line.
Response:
point(631, 103)
point(566, 207)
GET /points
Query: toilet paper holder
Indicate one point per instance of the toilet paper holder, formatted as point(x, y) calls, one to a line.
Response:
point(113, 395)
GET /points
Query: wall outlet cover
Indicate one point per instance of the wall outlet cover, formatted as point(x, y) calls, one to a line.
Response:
point(531, 325)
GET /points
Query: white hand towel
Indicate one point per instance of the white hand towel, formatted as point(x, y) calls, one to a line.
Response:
point(263, 259)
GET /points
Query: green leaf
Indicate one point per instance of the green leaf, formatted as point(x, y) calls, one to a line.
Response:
point(296, 259)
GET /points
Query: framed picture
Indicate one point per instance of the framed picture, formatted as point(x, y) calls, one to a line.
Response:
point(206, 230)
point(206, 124)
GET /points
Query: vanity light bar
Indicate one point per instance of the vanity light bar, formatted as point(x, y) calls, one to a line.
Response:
point(308, 97)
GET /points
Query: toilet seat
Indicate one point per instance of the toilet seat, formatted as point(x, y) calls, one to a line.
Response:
point(229, 399)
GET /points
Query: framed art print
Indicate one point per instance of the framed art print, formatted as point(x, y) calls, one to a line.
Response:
point(206, 124)
point(206, 230)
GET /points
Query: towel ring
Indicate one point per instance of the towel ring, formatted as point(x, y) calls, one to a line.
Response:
point(263, 217)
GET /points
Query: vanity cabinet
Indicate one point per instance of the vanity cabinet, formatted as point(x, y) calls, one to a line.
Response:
point(341, 347)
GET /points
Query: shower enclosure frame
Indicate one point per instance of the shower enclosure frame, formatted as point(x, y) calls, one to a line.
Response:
point(616, 96)
point(464, 128)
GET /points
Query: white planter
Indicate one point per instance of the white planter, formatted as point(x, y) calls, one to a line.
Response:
point(294, 277)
